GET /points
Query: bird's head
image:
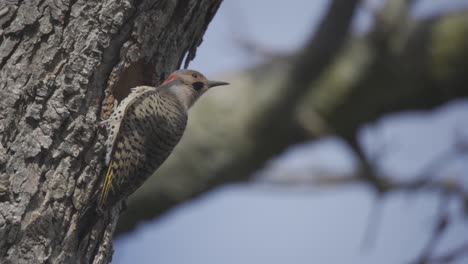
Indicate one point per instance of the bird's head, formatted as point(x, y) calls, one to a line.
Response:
point(188, 86)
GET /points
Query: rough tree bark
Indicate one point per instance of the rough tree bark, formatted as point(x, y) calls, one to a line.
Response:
point(401, 64)
point(61, 64)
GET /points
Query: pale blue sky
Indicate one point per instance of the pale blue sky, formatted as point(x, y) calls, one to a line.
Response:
point(261, 224)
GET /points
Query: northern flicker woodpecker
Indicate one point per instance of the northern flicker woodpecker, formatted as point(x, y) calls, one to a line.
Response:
point(144, 129)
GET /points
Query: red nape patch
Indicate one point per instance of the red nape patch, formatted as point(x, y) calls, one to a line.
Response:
point(170, 78)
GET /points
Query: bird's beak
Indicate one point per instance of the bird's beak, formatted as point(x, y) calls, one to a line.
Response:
point(215, 83)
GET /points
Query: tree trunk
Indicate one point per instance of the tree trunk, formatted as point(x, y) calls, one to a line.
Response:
point(61, 65)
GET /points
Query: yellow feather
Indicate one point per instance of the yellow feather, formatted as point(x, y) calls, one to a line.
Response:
point(107, 184)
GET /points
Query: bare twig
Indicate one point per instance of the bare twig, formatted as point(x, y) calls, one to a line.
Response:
point(373, 223)
point(447, 188)
point(439, 228)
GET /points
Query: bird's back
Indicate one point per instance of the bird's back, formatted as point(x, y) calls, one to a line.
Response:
point(152, 124)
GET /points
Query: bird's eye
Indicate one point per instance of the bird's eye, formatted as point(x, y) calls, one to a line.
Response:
point(194, 75)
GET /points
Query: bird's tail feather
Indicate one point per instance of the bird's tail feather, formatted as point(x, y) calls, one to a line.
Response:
point(87, 219)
